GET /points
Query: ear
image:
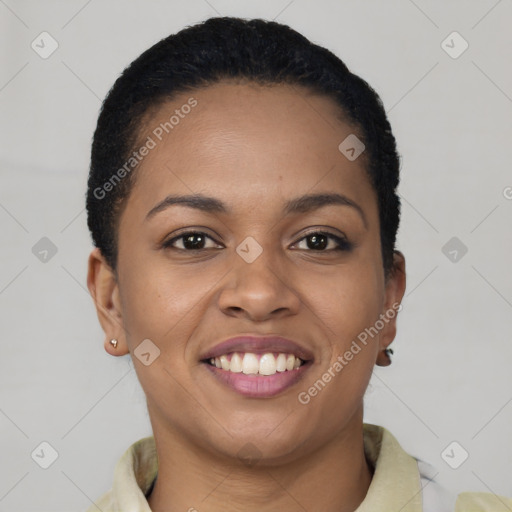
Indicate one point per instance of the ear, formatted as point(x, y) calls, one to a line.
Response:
point(104, 289)
point(394, 292)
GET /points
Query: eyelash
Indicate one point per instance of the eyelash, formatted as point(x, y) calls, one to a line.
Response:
point(342, 244)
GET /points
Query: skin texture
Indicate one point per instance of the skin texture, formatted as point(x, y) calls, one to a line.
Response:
point(254, 148)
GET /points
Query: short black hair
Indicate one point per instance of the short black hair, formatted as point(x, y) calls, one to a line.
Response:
point(220, 48)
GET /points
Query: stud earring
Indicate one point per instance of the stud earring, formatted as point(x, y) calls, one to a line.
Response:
point(113, 342)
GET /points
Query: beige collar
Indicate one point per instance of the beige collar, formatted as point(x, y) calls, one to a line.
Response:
point(395, 484)
point(396, 481)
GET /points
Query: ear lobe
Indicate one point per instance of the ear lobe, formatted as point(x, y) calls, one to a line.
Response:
point(119, 349)
point(104, 290)
point(384, 357)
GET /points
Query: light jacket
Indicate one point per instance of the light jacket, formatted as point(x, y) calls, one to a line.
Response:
point(398, 483)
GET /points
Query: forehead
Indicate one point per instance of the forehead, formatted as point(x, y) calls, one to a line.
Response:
point(247, 140)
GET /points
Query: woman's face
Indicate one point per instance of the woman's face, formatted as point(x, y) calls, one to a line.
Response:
point(256, 268)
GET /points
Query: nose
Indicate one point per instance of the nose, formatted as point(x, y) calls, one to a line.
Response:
point(259, 290)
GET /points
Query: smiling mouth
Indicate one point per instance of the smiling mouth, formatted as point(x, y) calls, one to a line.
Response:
point(250, 363)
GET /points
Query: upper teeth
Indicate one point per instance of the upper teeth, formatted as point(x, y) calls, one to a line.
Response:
point(248, 363)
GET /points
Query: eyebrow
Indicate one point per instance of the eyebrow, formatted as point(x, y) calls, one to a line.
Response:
point(302, 204)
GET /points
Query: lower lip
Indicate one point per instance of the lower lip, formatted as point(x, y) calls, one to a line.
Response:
point(258, 386)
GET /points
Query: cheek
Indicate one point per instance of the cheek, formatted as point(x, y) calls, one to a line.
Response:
point(349, 306)
point(335, 390)
point(159, 302)
point(165, 307)
point(349, 301)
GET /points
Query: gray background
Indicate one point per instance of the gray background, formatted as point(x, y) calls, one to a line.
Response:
point(450, 379)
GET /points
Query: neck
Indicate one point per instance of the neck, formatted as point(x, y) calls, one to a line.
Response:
point(333, 477)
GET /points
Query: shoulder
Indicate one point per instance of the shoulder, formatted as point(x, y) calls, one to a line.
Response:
point(390, 461)
point(437, 498)
point(482, 502)
point(133, 475)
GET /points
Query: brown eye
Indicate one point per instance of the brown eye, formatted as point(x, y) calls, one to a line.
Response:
point(319, 241)
point(190, 241)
